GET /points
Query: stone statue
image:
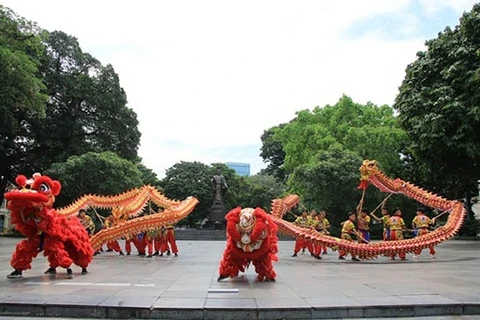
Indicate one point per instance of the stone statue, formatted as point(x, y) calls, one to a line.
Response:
point(220, 187)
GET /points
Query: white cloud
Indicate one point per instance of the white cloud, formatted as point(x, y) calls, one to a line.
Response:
point(432, 7)
point(212, 75)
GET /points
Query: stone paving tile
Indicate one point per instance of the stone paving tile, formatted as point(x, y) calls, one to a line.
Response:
point(379, 301)
point(128, 301)
point(75, 299)
point(281, 303)
point(332, 302)
point(187, 303)
point(430, 299)
point(240, 303)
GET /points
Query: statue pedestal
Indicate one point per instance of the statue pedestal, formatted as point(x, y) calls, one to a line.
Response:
point(217, 217)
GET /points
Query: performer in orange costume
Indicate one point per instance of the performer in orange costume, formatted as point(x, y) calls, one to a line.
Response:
point(170, 239)
point(323, 221)
point(348, 230)
point(421, 224)
point(251, 238)
point(364, 226)
point(304, 221)
point(396, 225)
point(112, 245)
point(159, 242)
point(149, 238)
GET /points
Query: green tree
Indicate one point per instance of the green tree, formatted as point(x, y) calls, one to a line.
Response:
point(330, 183)
point(370, 131)
point(262, 189)
point(87, 107)
point(22, 93)
point(94, 173)
point(186, 179)
point(272, 153)
point(439, 107)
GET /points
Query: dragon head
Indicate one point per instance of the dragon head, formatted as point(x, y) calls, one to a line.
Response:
point(37, 192)
point(368, 168)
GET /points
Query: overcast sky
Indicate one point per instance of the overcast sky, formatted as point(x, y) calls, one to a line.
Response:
point(206, 78)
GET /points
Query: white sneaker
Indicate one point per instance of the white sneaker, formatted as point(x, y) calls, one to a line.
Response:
point(414, 256)
point(432, 256)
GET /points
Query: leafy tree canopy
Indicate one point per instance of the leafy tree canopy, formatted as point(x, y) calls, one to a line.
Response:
point(368, 130)
point(272, 153)
point(439, 107)
point(87, 107)
point(94, 173)
point(186, 179)
point(22, 93)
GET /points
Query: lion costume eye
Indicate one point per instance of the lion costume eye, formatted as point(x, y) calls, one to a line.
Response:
point(44, 187)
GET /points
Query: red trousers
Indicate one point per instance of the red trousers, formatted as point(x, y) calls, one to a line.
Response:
point(421, 232)
point(170, 240)
point(302, 244)
point(114, 245)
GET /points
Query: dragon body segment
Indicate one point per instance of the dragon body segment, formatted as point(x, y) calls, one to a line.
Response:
point(33, 215)
point(371, 174)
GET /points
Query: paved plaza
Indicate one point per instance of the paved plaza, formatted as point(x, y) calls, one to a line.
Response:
point(186, 287)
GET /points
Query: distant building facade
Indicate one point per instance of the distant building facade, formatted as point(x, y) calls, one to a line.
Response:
point(242, 169)
point(4, 218)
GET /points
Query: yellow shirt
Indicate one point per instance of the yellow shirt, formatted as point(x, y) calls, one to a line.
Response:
point(421, 221)
point(348, 227)
point(304, 222)
point(396, 223)
point(364, 223)
point(385, 221)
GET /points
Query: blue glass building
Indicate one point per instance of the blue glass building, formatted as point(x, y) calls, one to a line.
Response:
point(242, 169)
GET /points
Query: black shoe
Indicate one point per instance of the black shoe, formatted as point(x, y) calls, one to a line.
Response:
point(96, 252)
point(51, 271)
point(156, 253)
point(69, 273)
point(325, 252)
point(128, 253)
point(318, 257)
point(168, 252)
point(341, 258)
point(150, 255)
point(16, 274)
point(176, 254)
point(121, 253)
point(355, 259)
point(161, 254)
point(269, 280)
point(294, 255)
point(220, 277)
point(84, 271)
point(109, 250)
point(141, 254)
point(311, 253)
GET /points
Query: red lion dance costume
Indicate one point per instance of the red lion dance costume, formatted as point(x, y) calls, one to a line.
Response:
point(251, 238)
point(64, 241)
